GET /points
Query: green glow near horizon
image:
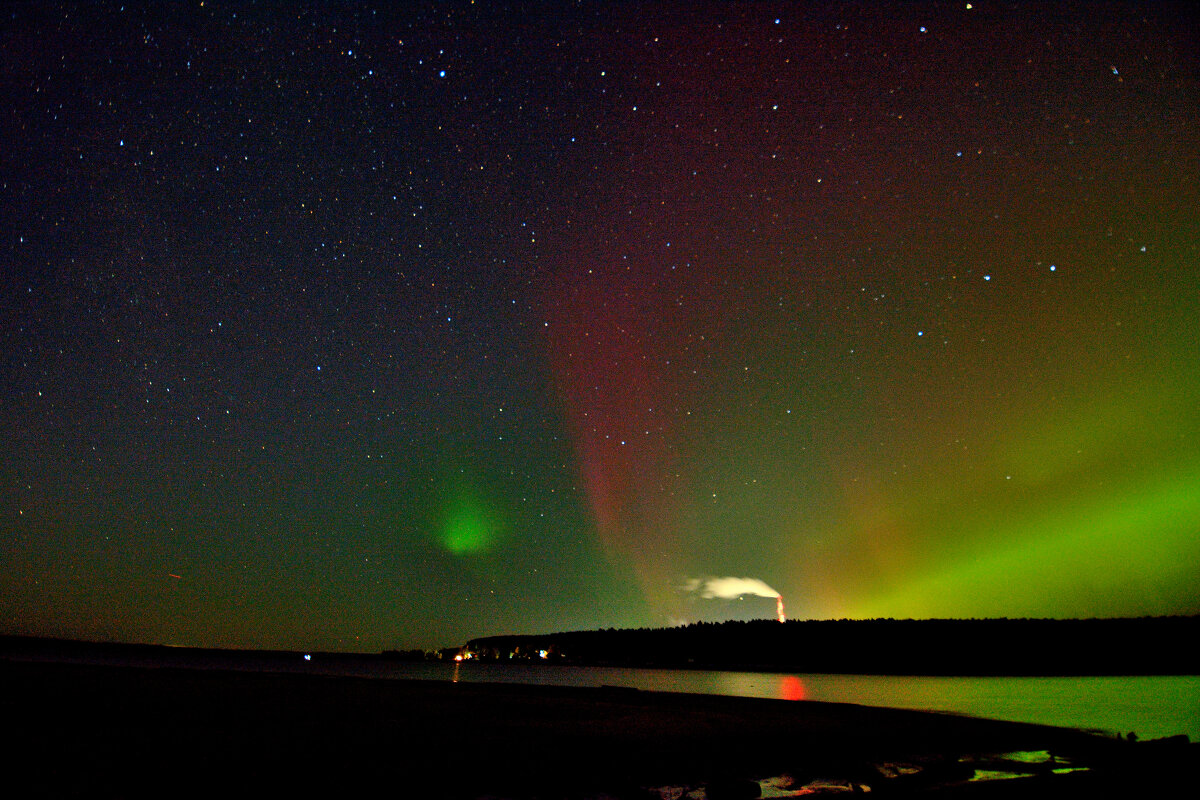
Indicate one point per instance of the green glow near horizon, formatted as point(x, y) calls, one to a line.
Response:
point(1084, 557)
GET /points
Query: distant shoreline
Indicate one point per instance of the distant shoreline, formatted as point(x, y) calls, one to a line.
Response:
point(966, 648)
point(950, 648)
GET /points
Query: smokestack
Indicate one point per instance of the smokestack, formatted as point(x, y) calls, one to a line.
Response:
point(782, 617)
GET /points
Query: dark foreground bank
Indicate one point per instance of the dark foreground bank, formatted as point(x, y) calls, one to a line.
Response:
point(122, 731)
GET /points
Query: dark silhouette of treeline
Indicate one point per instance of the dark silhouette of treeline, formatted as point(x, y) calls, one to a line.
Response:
point(1127, 646)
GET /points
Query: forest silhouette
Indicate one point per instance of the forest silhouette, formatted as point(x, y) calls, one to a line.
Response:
point(1125, 646)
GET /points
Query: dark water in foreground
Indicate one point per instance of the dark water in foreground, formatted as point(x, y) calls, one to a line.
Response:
point(1153, 706)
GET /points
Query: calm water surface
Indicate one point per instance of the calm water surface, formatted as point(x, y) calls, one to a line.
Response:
point(1153, 706)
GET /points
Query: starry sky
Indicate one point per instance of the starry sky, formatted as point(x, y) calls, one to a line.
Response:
point(358, 326)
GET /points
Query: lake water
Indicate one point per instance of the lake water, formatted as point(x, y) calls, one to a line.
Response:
point(1153, 706)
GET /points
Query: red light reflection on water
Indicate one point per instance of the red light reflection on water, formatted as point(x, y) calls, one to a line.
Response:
point(792, 688)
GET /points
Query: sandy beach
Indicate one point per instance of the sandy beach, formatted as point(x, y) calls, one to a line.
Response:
point(122, 731)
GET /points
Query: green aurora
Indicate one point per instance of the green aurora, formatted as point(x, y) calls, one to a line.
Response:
point(407, 326)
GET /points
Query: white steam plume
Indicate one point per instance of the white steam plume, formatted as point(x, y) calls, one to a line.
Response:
point(728, 588)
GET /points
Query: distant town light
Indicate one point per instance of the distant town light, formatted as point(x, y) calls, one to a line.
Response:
point(307, 657)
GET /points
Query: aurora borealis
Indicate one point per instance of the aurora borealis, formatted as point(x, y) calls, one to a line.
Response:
point(353, 326)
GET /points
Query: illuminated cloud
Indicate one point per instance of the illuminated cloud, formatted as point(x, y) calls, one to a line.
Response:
point(728, 588)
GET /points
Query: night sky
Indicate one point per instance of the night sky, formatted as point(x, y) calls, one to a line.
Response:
point(355, 327)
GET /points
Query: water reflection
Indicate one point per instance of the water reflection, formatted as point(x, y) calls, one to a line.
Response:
point(756, 684)
point(1151, 705)
point(792, 688)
